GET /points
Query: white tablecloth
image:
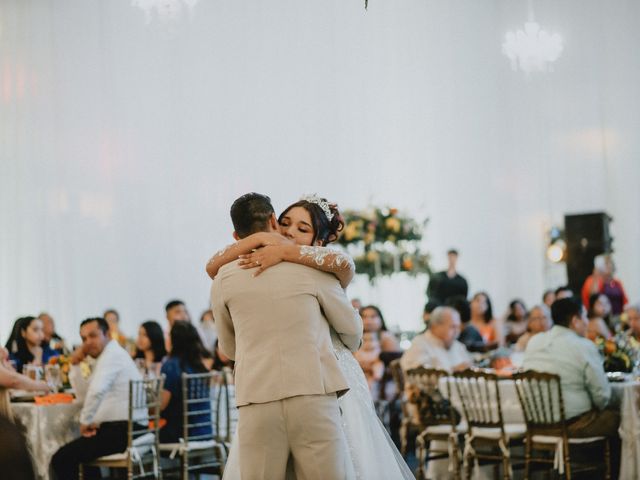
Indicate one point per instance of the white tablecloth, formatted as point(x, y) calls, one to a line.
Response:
point(48, 428)
point(625, 396)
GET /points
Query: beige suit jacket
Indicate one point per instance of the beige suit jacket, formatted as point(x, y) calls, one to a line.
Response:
point(275, 327)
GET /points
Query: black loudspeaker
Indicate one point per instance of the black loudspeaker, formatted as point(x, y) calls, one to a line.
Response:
point(587, 236)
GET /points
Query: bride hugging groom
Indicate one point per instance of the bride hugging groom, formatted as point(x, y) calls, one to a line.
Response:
point(304, 406)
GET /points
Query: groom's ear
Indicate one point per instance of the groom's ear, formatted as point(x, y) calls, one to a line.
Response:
point(274, 222)
point(236, 236)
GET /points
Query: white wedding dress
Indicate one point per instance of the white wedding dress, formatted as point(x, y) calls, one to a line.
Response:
point(372, 451)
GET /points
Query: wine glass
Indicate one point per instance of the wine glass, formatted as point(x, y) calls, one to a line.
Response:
point(141, 363)
point(53, 377)
point(34, 372)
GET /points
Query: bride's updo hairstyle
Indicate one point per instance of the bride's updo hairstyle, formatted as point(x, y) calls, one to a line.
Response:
point(325, 217)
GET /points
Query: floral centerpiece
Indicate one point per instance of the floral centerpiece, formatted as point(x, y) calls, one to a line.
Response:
point(64, 362)
point(620, 353)
point(383, 242)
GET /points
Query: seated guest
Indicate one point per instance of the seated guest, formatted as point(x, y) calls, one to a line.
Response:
point(113, 319)
point(373, 321)
point(598, 314)
point(563, 292)
point(188, 355)
point(150, 344)
point(438, 347)
point(104, 395)
point(548, 297)
point(538, 321)
point(470, 336)
point(563, 350)
point(482, 319)
point(368, 356)
point(12, 341)
point(516, 322)
point(207, 330)
point(176, 311)
point(602, 280)
point(55, 341)
point(426, 314)
point(633, 320)
point(356, 303)
point(29, 344)
point(10, 379)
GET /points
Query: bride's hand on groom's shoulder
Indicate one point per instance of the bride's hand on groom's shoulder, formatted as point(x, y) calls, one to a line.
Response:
point(263, 258)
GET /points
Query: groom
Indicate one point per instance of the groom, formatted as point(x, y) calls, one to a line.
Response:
point(287, 375)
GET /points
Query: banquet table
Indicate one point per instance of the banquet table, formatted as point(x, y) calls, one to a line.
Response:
point(625, 396)
point(48, 427)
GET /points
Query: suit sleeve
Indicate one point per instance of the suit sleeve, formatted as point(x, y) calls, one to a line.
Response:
point(222, 317)
point(338, 310)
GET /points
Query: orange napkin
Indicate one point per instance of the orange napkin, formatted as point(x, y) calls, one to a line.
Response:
point(54, 398)
point(161, 423)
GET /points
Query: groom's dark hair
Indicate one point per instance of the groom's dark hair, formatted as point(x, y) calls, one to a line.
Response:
point(250, 214)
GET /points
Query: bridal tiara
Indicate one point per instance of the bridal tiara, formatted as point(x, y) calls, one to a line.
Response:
point(323, 204)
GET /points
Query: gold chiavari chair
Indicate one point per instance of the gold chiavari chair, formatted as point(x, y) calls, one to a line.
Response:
point(199, 452)
point(141, 458)
point(540, 396)
point(488, 437)
point(437, 417)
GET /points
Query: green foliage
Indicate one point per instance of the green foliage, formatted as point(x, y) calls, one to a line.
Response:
point(383, 242)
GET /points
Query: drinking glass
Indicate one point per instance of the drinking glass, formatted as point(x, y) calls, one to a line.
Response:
point(34, 372)
point(53, 377)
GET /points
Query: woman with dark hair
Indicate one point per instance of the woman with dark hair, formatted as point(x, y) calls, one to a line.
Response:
point(482, 318)
point(188, 355)
point(598, 314)
point(306, 227)
point(373, 321)
point(150, 343)
point(12, 341)
point(516, 321)
point(29, 344)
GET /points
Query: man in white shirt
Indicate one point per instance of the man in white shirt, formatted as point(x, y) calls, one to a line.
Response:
point(438, 347)
point(563, 350)
point(105, 398)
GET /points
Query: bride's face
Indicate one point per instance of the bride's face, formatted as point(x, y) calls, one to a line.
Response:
point(297, 226)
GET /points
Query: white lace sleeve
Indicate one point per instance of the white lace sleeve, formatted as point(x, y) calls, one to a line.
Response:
point(329, 260)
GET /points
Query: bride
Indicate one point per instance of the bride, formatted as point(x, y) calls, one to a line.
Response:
point(306, 227)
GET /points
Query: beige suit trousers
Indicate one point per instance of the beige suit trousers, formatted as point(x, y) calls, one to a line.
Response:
point(307, 427)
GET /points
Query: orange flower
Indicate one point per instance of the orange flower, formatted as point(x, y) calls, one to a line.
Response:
point(609, 347)
point(393, 211)
point(407, 264)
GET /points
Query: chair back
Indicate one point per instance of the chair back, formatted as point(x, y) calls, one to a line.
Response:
point(197, 406)
point(225, 410)
point(423, 385)
point(480, 397)
point(144, 406)
point(540, 396)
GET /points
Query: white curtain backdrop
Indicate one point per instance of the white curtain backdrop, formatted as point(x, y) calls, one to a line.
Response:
point(123, 143)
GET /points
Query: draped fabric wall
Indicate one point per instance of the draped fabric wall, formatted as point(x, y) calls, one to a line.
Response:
point(123, 143)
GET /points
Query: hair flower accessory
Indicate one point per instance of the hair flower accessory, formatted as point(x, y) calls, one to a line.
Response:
point(321, 202)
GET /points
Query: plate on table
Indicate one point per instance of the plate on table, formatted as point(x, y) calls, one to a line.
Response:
point(22, 396)
point(617, 376)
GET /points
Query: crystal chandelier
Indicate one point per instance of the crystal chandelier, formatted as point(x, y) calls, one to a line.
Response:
point(532, 49)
